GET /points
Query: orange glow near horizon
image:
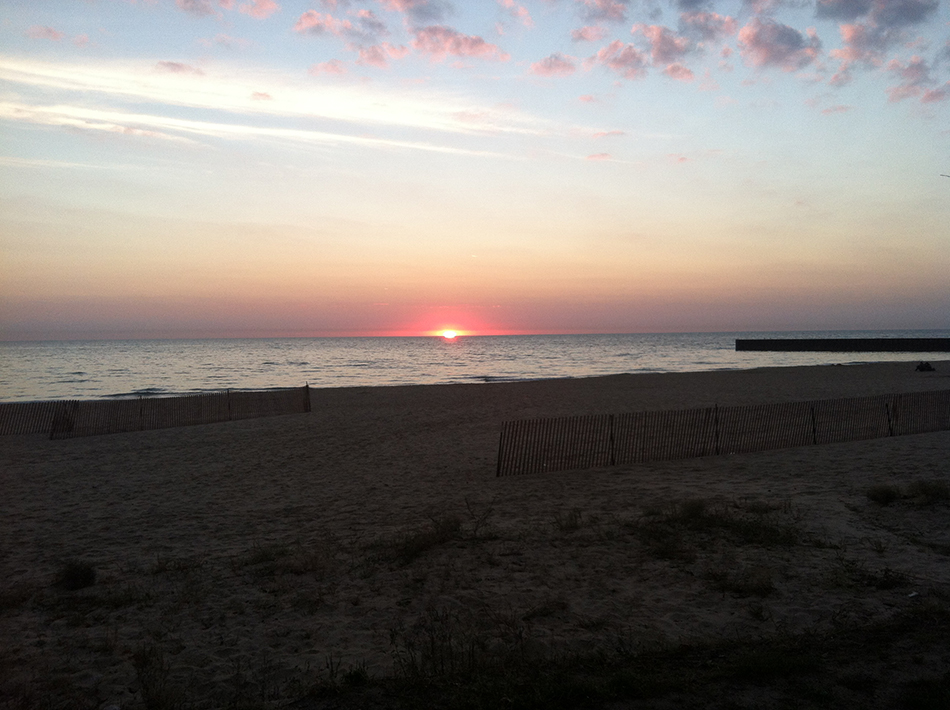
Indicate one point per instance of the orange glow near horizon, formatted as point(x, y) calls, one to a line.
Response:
point(449, 334)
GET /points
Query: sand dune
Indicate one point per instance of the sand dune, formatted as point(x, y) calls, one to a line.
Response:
point(257, 557)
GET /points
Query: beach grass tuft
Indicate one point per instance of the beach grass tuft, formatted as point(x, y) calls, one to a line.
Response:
point(744, 582)
point(929, 492)
point(884, 494)
point(675, 533)
point(407, 547)
point(920, 492)
point(74, 575)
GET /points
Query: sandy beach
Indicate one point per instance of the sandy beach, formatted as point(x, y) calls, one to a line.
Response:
point(255, 559)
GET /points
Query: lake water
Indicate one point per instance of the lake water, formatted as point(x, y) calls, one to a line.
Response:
point(121, 368)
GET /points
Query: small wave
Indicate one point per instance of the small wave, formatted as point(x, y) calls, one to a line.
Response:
point(503, 378)
point(144, 392)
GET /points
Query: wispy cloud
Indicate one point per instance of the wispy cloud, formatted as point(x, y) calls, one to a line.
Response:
point(625, 59)
point(438, 41)
point(519, 12)
point(555, 65)
point(44, 32)
point(588, 33)
point(261, 9)
point(220, 90)
point(183, 130)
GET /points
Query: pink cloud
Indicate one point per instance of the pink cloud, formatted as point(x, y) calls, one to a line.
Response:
point(312, 22)
point(177, 68)
point(371, 24)
point(609, 134)
point(261, 9)
point(665, 45)
point(836, 109)
point(401, 5)
point(587, 99)
point(379, 54)
point(555, 65)
point(334, 66)
point(679, 72)
point(842, 77)
point(609, 10)
point(709, 25)
point(43, 32)
point(862, 43)
point(261, 96)
point(224, 40)
point(590, 33)
point(418, 10)
point(81, 40)
point(519, 12)
point(934, 95)
point(624, 59)
point(769, 43)
point(199, 8)
point(913, 77)
point(599, 156)
point(438, 41)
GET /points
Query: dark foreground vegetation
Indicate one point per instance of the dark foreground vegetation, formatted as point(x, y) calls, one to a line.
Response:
point(902, 663)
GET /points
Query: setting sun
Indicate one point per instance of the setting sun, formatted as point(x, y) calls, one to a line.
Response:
point(449, 334)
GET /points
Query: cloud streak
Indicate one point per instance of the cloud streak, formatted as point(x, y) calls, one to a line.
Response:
point(184, 130)
point(176, 85)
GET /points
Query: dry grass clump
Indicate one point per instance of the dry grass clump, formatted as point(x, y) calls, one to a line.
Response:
point(884, 494)
point(409, 546)
point(852, 574)
point(929, 492)
point(74, 575)
point(924, 493)
point(667, 533)
point(745, 582)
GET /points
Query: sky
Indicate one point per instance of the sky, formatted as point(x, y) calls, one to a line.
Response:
point(259, 168)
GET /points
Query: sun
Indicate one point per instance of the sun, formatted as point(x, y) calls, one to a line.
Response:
point(449, 334)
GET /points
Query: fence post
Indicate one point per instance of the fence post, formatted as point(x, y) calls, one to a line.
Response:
point(890, 426)
point(814, 427)
point(716, 419)
point(613, 456)
point(228, 392)
point(501, 442)
point(306, 391)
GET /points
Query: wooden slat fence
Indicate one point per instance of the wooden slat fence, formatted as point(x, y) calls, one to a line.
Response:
point(594, 441)
point(70, 418)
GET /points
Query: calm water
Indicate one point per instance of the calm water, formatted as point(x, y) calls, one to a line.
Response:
point(95, 369)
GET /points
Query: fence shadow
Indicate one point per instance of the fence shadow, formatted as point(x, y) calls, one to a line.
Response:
point(71, 418)
point(594, 441)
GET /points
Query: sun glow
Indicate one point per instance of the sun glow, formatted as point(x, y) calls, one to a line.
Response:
point(449, 334)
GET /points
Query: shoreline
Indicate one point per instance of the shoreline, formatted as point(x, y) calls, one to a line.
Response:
point(274, 544)
point(105, 370)
point(942, 370)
